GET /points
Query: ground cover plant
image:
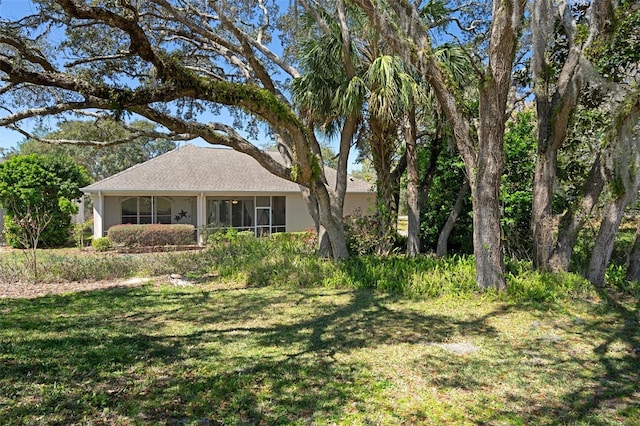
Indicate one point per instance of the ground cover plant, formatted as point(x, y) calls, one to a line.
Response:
point(265, 332)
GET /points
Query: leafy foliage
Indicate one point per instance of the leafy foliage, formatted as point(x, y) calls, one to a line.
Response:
point(101, 244)
point(42, 185)
point(361, 233)
point(516, 191)
point(100, 161)
point(617, 53)
point(446, 184)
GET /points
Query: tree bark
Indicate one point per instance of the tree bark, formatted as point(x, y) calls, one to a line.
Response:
point(633, 263)
point(572, 222)
point(386, 186)
point(625, 157)
point(555, 102)
point(603, 247)
point(443, 238)
point(482, 156)
point(485, 182)
point(413, 210)
point(331, 220)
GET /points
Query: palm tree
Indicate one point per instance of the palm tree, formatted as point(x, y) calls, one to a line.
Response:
point(349, 79)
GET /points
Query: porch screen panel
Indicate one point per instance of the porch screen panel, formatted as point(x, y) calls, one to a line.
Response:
point(249, 211)
point(163, 210)
point(218, 212)
point(263, 201)
point(236, 213)
point(130, 211)
point(242, 213)
point(278, 214)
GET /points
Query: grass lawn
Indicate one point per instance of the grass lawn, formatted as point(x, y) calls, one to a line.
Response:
point(224, 353)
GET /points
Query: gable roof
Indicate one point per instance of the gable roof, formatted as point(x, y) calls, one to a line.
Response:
point(206, 169)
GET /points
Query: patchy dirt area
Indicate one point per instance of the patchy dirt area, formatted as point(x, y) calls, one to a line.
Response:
point(30, 290)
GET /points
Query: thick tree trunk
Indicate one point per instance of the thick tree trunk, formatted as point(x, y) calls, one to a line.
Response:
point(541, 211)
point(483, 162)
point(443, 238)
point(413, 210)
point(556, 99)
point(324, 246)
point(573, 220)
point(633, 263)
point(331, 220)
point(625, 156)
point(382, 154)
point(486, 177)
point(603, 247)
point(487, 238)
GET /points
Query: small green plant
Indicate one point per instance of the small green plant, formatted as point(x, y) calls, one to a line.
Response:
point(101, 244)
point(361, 233)
point(78, 234)
point(228, 235)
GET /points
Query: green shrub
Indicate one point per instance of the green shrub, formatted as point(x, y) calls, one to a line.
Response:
point(37, 192)
point(151, 235)
point(228, 235)
point(101, 244)
point(361, 233)
point(422, 276)
point(537, 287)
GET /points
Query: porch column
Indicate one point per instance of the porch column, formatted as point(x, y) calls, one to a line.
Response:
point(98, 215)
point(201, 217)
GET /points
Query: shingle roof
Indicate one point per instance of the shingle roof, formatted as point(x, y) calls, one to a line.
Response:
point(194, 168)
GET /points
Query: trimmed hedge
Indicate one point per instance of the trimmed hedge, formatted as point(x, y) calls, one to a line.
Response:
point(151, 235)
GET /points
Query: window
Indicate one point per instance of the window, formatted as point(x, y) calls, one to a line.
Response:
point(247, 213)
point(145, 210)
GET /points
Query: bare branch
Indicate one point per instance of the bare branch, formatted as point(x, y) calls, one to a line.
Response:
point(139, 42)
point(265, 23)
point(98, 58)
point(49, 110)
point(30, 54)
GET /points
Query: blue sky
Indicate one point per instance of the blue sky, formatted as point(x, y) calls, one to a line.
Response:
point(10, 9)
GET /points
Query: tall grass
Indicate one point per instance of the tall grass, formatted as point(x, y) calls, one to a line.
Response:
point(289, 260)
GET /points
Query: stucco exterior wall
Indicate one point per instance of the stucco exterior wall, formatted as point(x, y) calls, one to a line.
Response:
point(298, 218)
point(364, 203)
point(112, 212)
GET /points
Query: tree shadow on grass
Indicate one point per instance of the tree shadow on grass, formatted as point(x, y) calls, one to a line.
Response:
point(616, 387)
point(204, 357)
point(233, 355)
point(606, 377)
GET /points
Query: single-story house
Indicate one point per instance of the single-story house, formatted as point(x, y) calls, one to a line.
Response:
point(210, 188)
